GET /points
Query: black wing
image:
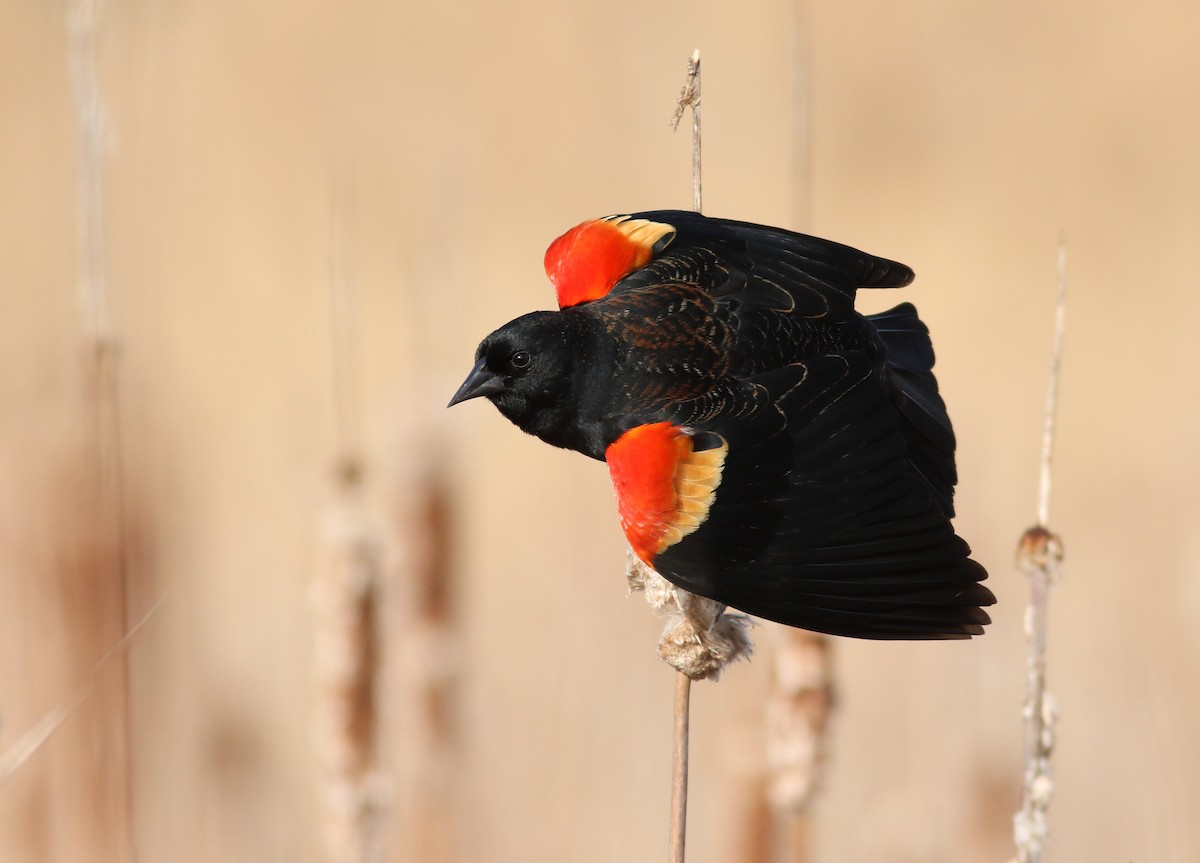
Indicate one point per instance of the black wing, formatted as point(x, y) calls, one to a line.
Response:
point(832, 512)
point(781, 270)
point(820, 520)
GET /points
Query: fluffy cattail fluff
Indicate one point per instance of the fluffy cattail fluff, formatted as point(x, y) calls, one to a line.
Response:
point(700, 639)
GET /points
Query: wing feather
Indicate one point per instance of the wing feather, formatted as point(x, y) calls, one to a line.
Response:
point(831, 507)
point(858, 545)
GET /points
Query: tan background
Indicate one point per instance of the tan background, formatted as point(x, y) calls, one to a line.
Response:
point(422, 156)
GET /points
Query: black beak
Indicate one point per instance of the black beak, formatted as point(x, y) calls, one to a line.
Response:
point(482, 381)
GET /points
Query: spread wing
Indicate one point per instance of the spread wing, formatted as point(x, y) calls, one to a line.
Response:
point(781, 270)
point(771, 448)
point(811, 513)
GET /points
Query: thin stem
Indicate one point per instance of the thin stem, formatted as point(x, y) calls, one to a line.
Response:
point(689, 97)
point(108, 769)
point(83, 18)
point(1052, 392)
point(29, 743)
point(1039, 556)
point(346, 598)
point(679, 768)
point(798, 710)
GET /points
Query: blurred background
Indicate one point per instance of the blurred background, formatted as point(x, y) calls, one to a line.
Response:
point(246, 253)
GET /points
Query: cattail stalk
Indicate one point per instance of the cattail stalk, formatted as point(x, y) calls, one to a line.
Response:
point(800, 700)
point(1039, 556)
point(103, 779)
point(426, 645)
point(689, 97)
point(679, 767)
point(798, 710)
point(345, 595)
point(345, 638)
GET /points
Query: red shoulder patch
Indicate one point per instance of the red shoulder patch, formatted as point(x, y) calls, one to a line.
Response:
point(664, 487)
point(585, 262)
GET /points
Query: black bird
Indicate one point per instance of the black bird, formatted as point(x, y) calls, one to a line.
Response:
point(770, 447)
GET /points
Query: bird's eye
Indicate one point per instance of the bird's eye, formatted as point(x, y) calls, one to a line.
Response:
point(520, 360)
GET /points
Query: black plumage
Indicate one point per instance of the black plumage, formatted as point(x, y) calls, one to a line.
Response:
point(833, 508)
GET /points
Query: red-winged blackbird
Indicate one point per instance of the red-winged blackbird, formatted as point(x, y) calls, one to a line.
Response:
point(770, 447)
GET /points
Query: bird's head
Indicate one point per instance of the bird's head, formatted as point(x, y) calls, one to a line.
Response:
point(526, 370)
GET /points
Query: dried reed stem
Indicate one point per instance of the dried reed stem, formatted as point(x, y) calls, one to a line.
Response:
point(83, 17)
point(345, 600)
point(426, 644)
point(104, 775)
point(1039, 556)
point(800, 700)
point(689, 96)
point(798, 710)
point(27, 745)
point(1060, 312)
point(679, 771)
